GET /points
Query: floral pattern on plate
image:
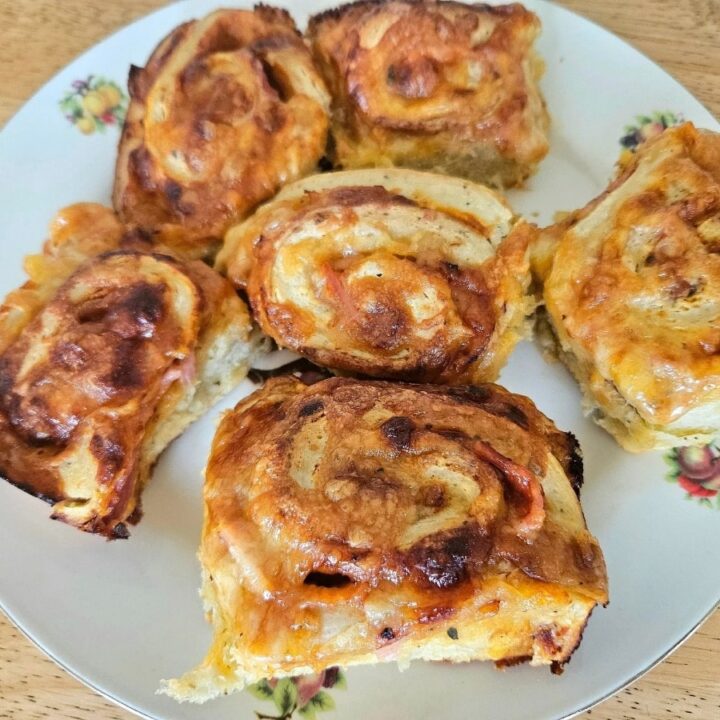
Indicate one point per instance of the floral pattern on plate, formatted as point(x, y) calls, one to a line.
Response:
point(94, 104)
point(646, 127)
point(697, 471)
point(304, 694)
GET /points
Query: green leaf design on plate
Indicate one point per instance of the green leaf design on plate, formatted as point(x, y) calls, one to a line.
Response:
point(260, 690)
point(308, 712)
point(319, 702)
point(322, 701)
point(285, 696)
point(340, 680)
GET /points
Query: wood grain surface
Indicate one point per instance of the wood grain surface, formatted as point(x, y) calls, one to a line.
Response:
point(39, 37)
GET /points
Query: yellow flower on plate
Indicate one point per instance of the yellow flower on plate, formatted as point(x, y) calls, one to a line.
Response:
point(111, 95)
point(94, 103)
point(86, 124)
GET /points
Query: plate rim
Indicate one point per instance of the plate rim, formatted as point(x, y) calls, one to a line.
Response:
point(249, 3)
point(217, 4)
point(568, 716)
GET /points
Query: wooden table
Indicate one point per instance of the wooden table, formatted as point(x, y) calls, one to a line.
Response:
point(41, 36)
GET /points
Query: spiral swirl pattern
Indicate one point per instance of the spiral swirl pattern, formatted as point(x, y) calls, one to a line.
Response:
point(100, 371)
point(388, 273)
point(434, 85)
point(227, 110)
point(345, 515)
point(632, 293)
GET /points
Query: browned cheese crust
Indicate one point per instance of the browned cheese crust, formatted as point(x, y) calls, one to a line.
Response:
point(434, 85)
point(97, 349)
point(632, 293)
point(388, 273)
point(358, 521)
point(227, 109)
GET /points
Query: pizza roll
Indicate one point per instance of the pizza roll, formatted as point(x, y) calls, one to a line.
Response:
point(354, 522)
point(388, 273)
point(442, 86)
point(227, 109)
point(106, 354)
point(632, 294)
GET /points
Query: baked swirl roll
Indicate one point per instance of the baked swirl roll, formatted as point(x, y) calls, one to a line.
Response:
point(351, 522)
point(227, 110)
point(104, 359)
point(632, 294)
point(389, 273)
point(434, 85)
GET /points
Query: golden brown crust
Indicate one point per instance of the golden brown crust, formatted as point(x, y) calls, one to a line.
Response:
point(227, 109)
point(632, 293)
point(349, 519)
point(387, 273)
point(76, 233)
point(434, 85)
point(99, 347)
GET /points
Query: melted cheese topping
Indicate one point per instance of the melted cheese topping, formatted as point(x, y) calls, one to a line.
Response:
point(634, 293)
point(434, 85)
point(388, 273)
point(227, 110)
point(99, 348)
point(356, 521)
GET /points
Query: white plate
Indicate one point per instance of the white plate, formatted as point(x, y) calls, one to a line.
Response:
point(123, 615)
